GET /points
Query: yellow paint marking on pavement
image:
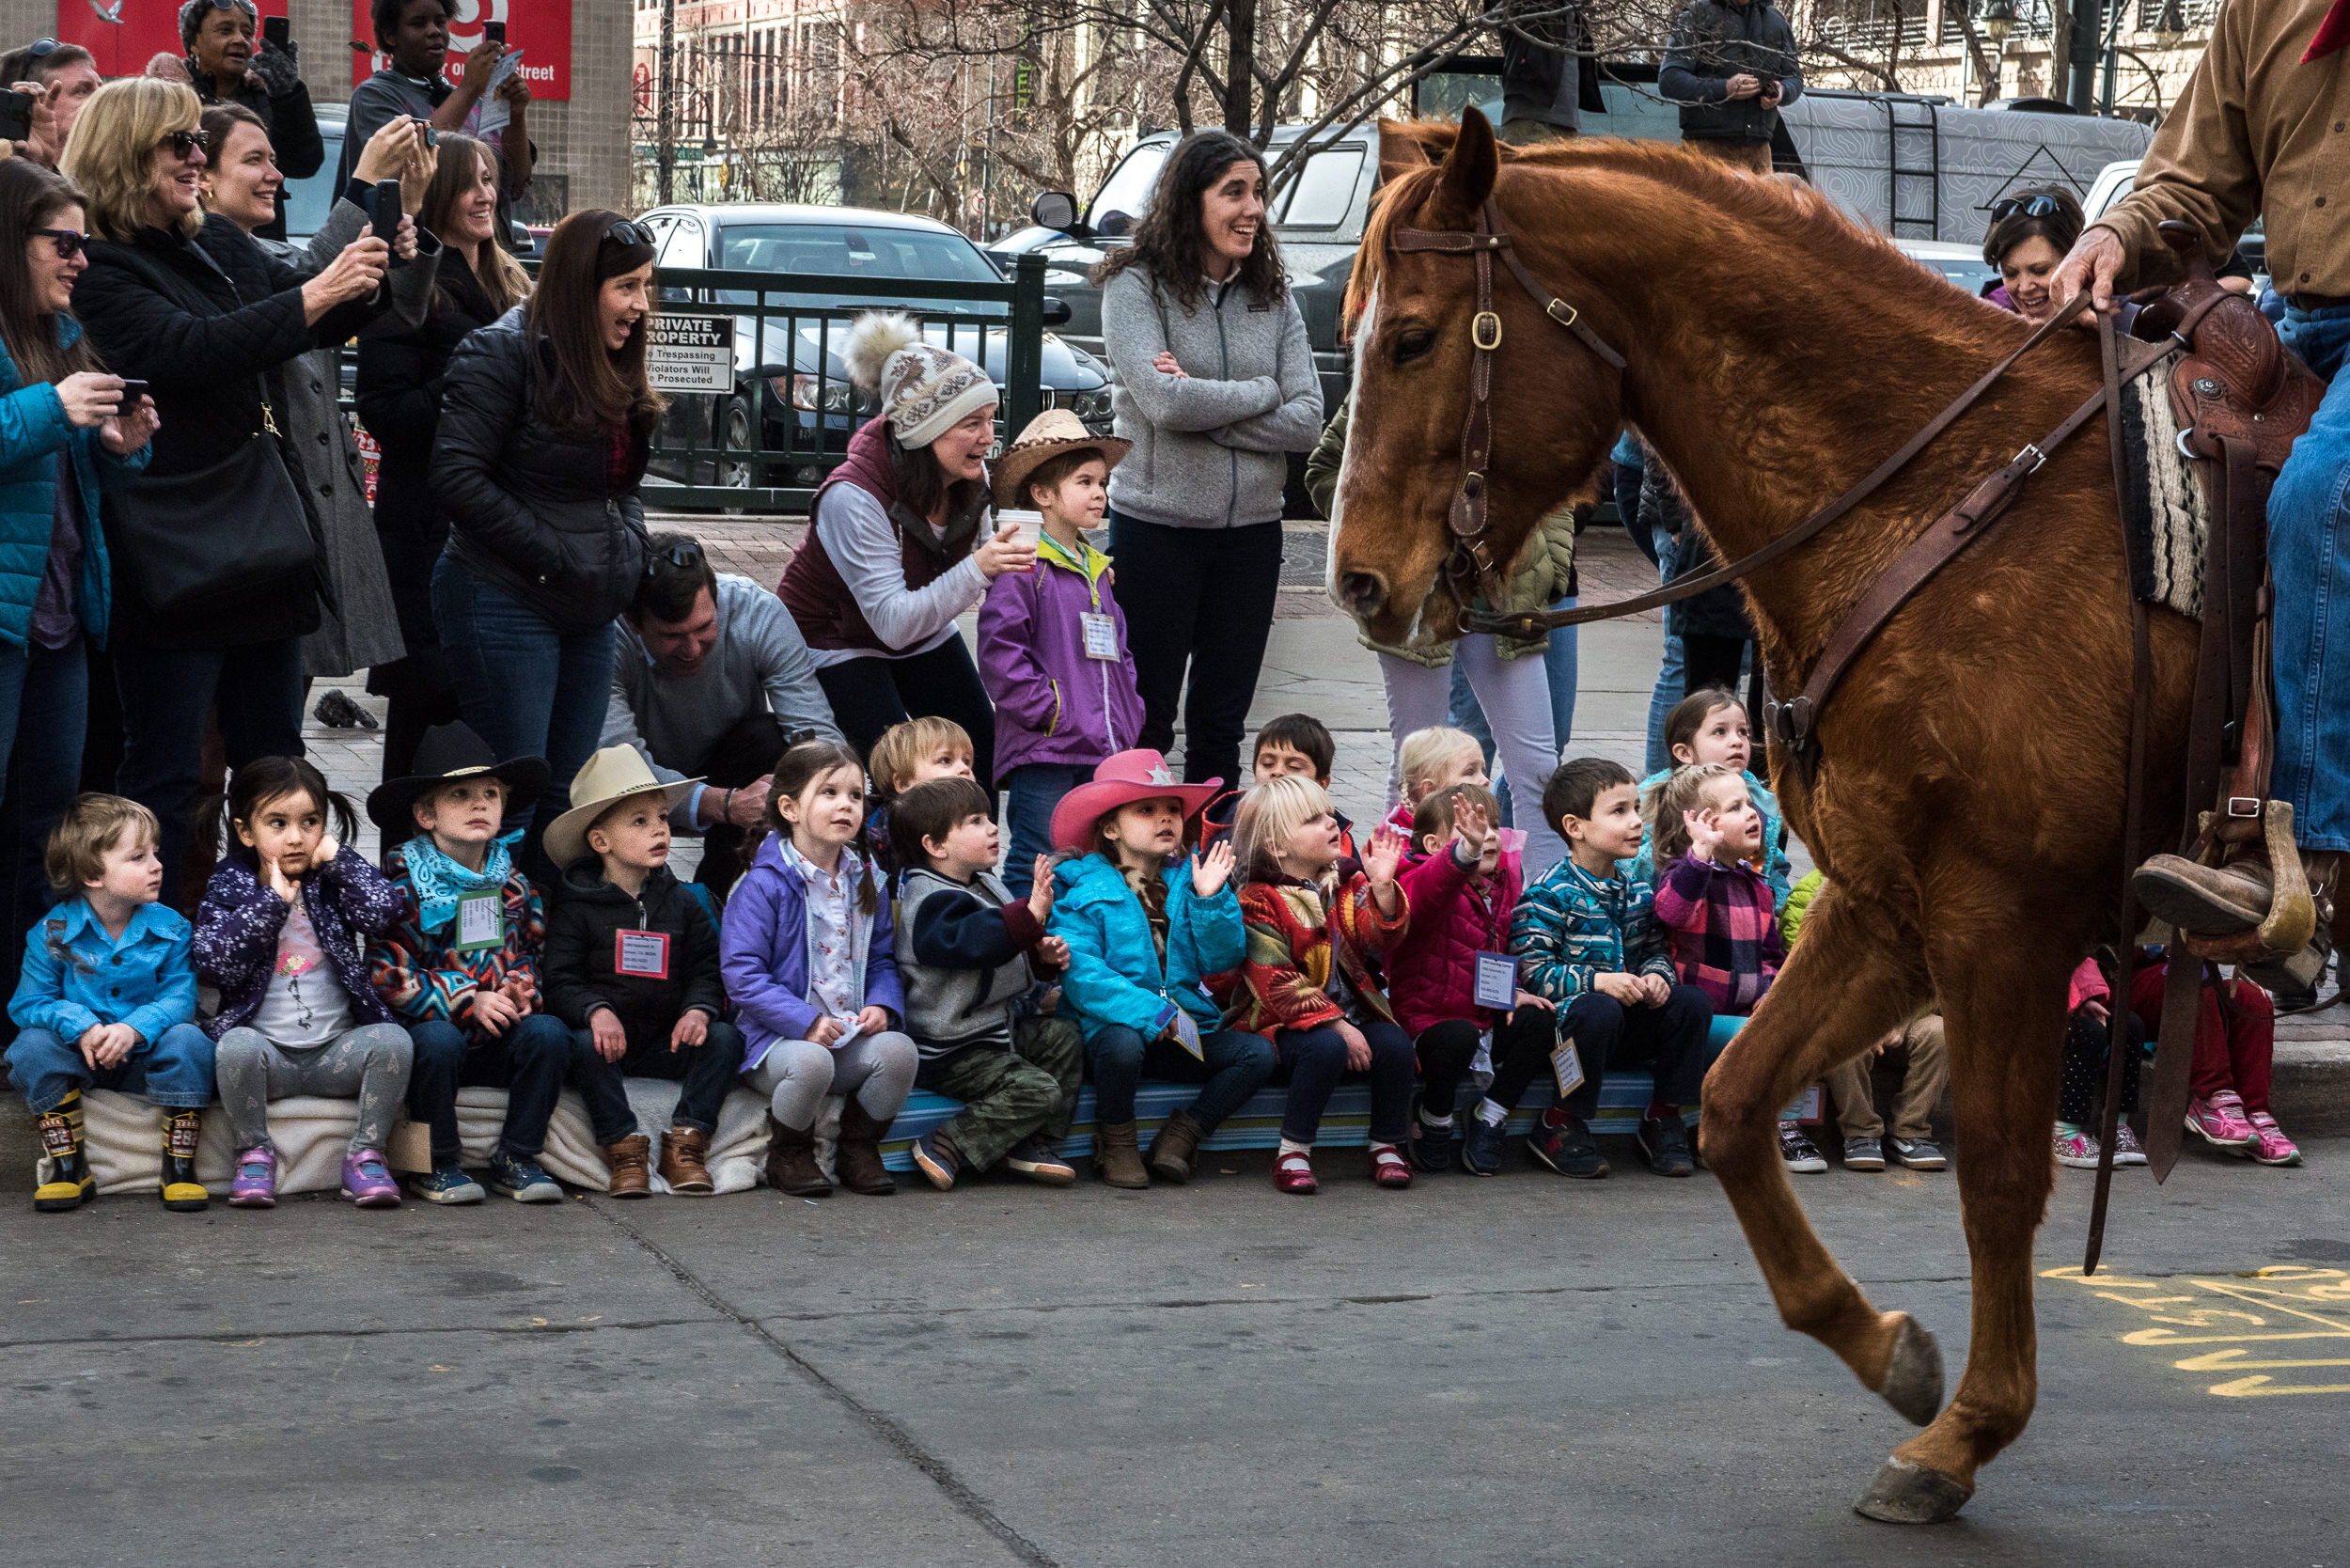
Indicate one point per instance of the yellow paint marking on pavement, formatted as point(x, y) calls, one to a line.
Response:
point(2292, 1292)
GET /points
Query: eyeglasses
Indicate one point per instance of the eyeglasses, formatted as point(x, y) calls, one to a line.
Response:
point(685, 558)
point(69, 241)
point(185, 145)
point(2035, 207)
point(625, 232)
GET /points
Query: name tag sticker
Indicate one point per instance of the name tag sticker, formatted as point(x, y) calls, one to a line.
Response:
point(1497, 981)
point(480, 922)
point(644, 954)
point(1187, 1034)
point(1101, 635)
point(1567, 1068)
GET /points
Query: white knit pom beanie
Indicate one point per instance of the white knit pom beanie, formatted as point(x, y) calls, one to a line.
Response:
point(925, 391)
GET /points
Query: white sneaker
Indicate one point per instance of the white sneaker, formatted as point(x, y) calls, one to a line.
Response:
point(1797, 1150)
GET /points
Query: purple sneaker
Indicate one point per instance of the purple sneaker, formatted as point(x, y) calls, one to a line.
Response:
point(255, 1184)
point(368, 1183)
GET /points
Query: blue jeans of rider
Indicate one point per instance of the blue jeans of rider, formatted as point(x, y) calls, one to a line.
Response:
point(2309, 551)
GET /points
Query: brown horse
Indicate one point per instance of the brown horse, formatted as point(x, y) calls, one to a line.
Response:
point(1968, 805)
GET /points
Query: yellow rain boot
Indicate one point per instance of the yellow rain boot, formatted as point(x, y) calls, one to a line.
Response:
point(70, 1184)
point(182, 1193)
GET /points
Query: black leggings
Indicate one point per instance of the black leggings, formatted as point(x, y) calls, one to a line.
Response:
point(1201, 599)
point(867, 696)
point(2084, 1044)
point(1521, 1051)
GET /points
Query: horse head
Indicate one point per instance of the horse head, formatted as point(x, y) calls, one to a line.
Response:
point(1398, 561)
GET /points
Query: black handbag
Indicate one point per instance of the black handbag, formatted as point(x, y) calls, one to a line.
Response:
point(186, 538)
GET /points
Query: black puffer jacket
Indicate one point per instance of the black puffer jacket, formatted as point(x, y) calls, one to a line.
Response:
point(209, 322)
point(532, 510)
point(582, 940)
point(282, 100)
point(1713, 41)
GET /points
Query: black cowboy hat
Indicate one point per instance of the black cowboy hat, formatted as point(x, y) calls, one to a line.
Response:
point(446, 753)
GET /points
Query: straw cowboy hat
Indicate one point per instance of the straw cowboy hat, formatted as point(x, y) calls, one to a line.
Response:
point(1049, 435)
point(448, 753)
point(1129, 777)
point(610, 776)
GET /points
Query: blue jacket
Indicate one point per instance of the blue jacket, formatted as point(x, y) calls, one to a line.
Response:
point(1570, 928)
point(76, 976)
point(1114, 975)
point(762, 953)
point(33, 428)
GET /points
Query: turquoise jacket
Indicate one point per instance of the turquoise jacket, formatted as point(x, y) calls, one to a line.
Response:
point(76, 976)
point(1114, 975)
point(33, 428)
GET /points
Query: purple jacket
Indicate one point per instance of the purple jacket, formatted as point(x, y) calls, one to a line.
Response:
point(762, 953)
point(238, 925)
point(1054, 704)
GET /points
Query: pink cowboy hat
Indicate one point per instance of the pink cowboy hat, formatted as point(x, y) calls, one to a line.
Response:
point(1130, 776)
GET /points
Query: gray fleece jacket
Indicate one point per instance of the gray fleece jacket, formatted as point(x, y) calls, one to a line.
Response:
point(1211, 446)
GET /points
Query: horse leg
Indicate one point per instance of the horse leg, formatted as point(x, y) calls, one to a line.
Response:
point(2003, 1005)
point(1851, 978)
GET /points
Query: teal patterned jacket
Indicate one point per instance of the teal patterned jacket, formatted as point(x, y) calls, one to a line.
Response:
point(1571, 927)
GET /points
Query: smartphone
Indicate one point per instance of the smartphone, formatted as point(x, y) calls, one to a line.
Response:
point(16, 115)
point(132, 392)
point(276, 31)
point(495, 32)
point(432, 132)
point(386, 201)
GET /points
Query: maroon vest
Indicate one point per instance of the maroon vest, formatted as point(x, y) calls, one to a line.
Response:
point(828, 615)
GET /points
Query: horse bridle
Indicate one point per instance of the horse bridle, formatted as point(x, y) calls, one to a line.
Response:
point(1466, 517)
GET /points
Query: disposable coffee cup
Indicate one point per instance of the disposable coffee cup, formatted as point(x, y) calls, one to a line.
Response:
point(1027, 527)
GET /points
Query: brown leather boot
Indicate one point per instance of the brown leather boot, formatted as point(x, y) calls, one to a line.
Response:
point(1172, 1149)
point(1117, 1155)
point(791, 1166)
point(683, 1151)
point(631, 1160)
point(2205, 900)
point(860, 1159)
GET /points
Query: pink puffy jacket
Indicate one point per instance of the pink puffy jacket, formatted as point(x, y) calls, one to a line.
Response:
point(1432, 974)
point(2089, 985)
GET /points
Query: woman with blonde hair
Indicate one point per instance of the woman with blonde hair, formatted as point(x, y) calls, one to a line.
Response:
point(400, 402)
point(216, 566)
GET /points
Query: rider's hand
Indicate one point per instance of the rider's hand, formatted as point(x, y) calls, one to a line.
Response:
point(2095, 264)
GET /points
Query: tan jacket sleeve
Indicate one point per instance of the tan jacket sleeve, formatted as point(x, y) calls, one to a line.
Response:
point(2200, 167)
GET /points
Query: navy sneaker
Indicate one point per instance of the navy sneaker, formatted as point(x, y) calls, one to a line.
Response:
point(522, 1180)
point(1570, 1151)
point(1667, 1145)
point(446, 1184)
point(936, 1156)
point(1481, 1146)
point(1430, 1148)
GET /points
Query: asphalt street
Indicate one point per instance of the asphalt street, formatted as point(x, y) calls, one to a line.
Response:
point(1511, 1371)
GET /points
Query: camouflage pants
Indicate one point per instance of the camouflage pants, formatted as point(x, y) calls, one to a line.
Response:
point(1007, 1095)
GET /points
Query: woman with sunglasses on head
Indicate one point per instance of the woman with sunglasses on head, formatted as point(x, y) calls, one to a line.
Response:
point(2030, 231)
point(211, 554)
point(230, 64)
point(547, 423)
point(400, 402)
point(241, 182)
point(66, 434)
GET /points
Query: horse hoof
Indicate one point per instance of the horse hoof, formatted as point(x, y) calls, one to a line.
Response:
point(1912, 1377)
point(1906, 1494)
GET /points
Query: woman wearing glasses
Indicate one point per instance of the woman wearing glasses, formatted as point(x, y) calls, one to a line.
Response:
point(193, 307)
point(400, 402)
point(546, 421)
point(65, 435)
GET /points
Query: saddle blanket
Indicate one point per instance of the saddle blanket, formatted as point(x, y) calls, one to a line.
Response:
point(2170, 516)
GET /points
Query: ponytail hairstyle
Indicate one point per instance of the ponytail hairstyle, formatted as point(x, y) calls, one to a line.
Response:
point(1682, 790)
point(590, 390)
point(257, 783)
point(795, 771)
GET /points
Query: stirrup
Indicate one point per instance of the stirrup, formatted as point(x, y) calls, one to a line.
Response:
point(2292, 917)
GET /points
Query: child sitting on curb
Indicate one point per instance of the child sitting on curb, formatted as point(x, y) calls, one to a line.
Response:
point(107, 1000)
point(1916, 1048)
point(967, 951)
point(907, 755)
point(1588, 942)
point(1709, 725)
point(1431, 760)
point(1316, 923)
point(632, 969)
point(1290, 745)
point(1053, 650)
point(459, 965)
point(1144, 928)
point(2235, 1043)
point(2088, 1047)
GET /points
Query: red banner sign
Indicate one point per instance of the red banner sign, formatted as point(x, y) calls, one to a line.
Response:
point(542, 29)
point(123, 34)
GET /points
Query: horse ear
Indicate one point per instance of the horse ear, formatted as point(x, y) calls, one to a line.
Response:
point(1470, 166)
point(1411, 143)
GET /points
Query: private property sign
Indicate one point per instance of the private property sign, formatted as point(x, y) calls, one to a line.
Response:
point(690, 353)
point(542, 29)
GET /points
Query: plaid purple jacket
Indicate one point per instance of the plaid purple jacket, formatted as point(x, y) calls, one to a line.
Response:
point(1719, 926)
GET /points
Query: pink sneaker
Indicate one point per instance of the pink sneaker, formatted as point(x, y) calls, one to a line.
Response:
point(2220, 1123)
point(256, 1183)
point(2271, 1146)
point(368, 1183)
point(2075, 1146)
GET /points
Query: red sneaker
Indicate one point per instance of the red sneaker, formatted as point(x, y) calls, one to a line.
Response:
point(1388, 1166)
point(1293, 1172)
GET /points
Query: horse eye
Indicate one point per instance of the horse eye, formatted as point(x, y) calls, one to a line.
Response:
point(1411, 345)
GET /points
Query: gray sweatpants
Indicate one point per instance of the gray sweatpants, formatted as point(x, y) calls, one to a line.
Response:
point(371, 1061)
point(796, 1074)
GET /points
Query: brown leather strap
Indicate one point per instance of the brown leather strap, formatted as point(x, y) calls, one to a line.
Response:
point(1531, 622)
point(1491, 238)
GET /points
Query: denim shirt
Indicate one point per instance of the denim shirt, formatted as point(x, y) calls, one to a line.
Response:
point(76, 976)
